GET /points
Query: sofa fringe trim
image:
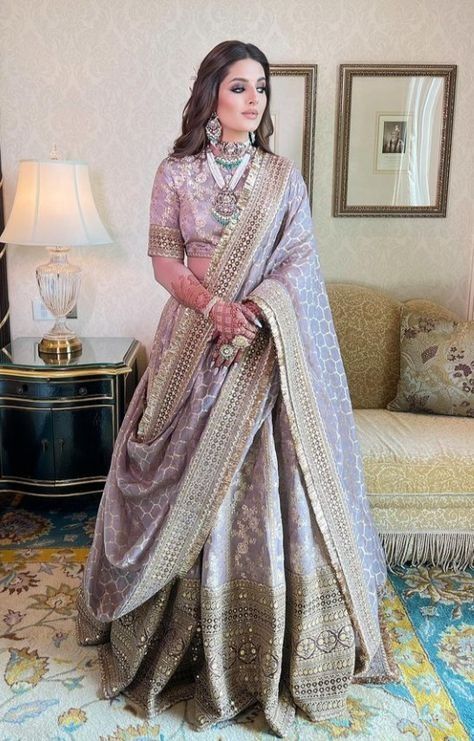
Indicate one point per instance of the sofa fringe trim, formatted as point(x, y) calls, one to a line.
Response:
point(446, 550)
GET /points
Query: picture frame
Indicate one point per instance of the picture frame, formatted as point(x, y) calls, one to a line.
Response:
point(393, 139)
point(293, 112)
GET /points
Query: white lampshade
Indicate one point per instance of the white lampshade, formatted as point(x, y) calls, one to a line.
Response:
point(54, 206)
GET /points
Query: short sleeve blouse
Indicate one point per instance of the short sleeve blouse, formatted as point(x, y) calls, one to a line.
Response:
point(180, 212)
point(165, 236)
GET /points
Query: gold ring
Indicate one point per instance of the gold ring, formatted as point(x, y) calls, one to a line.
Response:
point(240, 341)
point(227, 351)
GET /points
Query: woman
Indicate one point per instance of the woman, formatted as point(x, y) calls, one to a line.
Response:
point(234, 559)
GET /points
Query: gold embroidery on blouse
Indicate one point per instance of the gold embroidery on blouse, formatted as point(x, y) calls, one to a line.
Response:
point(165, 242)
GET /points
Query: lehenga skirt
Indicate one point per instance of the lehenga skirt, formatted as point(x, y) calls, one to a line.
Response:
point(258, 619)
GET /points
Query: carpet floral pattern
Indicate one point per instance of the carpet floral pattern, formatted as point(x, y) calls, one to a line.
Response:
point(48, 684)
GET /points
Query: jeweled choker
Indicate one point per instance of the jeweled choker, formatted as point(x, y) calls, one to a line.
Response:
point(230, 154)
point(232, 149)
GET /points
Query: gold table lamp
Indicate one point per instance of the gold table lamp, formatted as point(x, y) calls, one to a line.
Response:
point(54, 207)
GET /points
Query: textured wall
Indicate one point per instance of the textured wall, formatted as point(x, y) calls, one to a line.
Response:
point(107, 80)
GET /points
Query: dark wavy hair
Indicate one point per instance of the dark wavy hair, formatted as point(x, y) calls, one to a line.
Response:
point(203, 100)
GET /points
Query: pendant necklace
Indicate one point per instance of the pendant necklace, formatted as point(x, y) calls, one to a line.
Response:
point(224, 204)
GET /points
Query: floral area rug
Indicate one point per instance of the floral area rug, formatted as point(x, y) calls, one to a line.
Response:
point(48, 684)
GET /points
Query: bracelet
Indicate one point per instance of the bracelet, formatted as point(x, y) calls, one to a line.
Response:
point(209, 306)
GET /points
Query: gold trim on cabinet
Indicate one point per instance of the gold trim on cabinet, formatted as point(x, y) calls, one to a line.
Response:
point(75, 371)
point(54, 482)
point(61, 399)
point(60, 496)
point(50, 408)
point(52, 401)
point(18, 372)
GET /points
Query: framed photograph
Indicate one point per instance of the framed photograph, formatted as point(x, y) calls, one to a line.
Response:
point(293, 111)
point(394, 134)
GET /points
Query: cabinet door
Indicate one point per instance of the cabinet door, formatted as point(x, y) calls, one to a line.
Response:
point(83, 441)
point(26, 443)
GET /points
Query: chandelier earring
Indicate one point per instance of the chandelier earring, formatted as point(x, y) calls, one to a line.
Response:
point(214, 129)
point(252, 137)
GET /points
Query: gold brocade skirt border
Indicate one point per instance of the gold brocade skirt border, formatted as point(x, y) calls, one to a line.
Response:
point(231, 647)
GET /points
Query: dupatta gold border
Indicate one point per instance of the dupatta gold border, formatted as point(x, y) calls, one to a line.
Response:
point(257, 206)
point(317, 463)
point(209, 474)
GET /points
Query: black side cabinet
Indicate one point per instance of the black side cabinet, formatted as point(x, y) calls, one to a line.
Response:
point(58, 423)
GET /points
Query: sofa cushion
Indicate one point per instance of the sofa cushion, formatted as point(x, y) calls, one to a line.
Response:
point(416, 453)
point(419, 472)
point(436, 366)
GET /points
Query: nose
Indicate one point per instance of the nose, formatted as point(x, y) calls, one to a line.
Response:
point(253, 98)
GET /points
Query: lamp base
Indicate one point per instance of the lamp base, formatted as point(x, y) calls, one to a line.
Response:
point(58, 282)
point(60, 346)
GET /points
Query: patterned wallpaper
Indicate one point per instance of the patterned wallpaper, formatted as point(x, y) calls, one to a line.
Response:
point(106, 81)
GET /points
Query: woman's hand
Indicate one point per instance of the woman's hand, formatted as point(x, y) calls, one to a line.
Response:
point(233, 318)
point(254, 308)
point(251, 312)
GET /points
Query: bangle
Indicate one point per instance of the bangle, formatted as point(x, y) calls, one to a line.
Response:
point(209, 306)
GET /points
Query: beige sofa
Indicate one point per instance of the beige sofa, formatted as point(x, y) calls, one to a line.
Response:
point(419, 468)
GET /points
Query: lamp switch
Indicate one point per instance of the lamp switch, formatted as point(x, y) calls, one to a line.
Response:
point(42, 314)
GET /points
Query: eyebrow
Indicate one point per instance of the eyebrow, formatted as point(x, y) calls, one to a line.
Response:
point(243, 79)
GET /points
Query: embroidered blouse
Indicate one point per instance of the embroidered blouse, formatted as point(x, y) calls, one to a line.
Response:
point(180, 210)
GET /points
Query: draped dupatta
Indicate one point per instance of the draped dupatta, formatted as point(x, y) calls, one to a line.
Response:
point(187, 431)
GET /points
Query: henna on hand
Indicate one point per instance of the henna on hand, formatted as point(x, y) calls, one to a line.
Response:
point(222, 315)
point(254, 308)
point(190, 292)
point(230, 320)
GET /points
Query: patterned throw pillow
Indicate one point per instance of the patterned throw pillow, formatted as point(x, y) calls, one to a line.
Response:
point(436, 366)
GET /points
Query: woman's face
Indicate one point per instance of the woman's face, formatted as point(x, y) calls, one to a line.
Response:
point(241, 91)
